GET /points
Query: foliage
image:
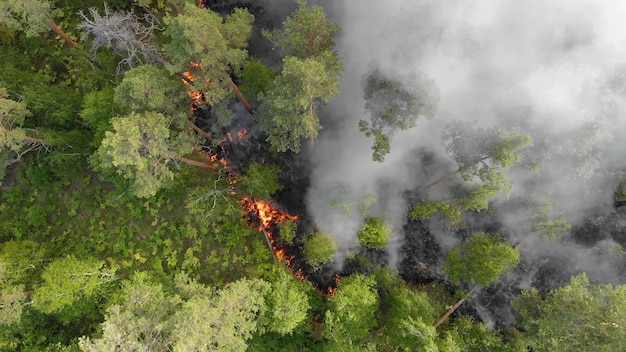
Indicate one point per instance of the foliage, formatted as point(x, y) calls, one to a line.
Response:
point(374, 233)
point(482, 259)
point(578, 317)
point(287, 230)
point(67, 280)
point(319, 249)
point(306, 33)
point(148, 88)
point(210, 56)
point(27, 15)
point(97, 112)
point(260, 181)
point(14, 141)
point(395, 103)
point(478, 149)
point(255, 77)
point(548, 225)
point(427, 208)
point(288, 304)
point(288, 111)
point(142, 148)
point(139, 322)
point(224, 322)
point(350, 314)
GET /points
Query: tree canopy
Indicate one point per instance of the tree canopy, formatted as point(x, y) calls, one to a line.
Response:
point(580, 316)
point(395, 103)
point(482, 259)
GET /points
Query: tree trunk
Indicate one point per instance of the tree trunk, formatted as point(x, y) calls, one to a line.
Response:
point(239, 95)
point(27, 293)
point(443, 178)
point(60, 32)
point(199, 130)
point(195, 163)
point(454, 307)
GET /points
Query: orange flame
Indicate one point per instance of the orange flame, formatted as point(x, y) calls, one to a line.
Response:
point(242, 133)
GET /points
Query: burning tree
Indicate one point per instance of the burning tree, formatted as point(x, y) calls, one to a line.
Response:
point(143, 149)
point(395, 104)
point(208, 47)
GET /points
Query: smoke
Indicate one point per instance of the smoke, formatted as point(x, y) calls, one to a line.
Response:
point(552, 69)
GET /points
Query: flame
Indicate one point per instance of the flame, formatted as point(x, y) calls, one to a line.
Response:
point(230, 137)
point(242, 133)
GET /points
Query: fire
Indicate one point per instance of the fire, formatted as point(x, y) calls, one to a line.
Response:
point(242, 133)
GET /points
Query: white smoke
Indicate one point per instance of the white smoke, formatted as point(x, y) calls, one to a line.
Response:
point(551, 68)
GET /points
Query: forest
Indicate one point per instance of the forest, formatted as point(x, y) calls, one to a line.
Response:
point(293, 175)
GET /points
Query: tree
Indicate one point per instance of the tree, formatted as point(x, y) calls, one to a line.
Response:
point(288, 304)
point(374, 233)
point(483, 259)
point(148, 88)
point(351, 312)
point(220, 48)
point(143, 149)
point(482, 153)
point(129, 37)
point(223, 322)
point(306, 33)
point(31, 16)
point(577, 317)
point(288, 111)
point(14, 140)
point(319, 249)
point(68, 280)
point(287, 230)
point(395, 103)
point(140, 322)
point(260, 181)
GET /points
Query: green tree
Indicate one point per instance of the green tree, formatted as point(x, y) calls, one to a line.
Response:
point(287, 230)
point(306, 33)
point(148, 88)
point(142, 148)
point(482, 259)
point(374, 233)
point(351, 312)
point(319, 249)
point(482, 153)
point(139, 322)
point(97, 111)
point(260, 181)
point(255, 78)
point(14, 140)
point(288, 304)
point(288, 111)
point(31, 16)
point(577, 317)
point(221, 48)
point(68, 280)
point(223, 322)
point(395, 103)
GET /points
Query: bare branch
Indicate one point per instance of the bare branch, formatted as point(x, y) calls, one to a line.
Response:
point(128, 35)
